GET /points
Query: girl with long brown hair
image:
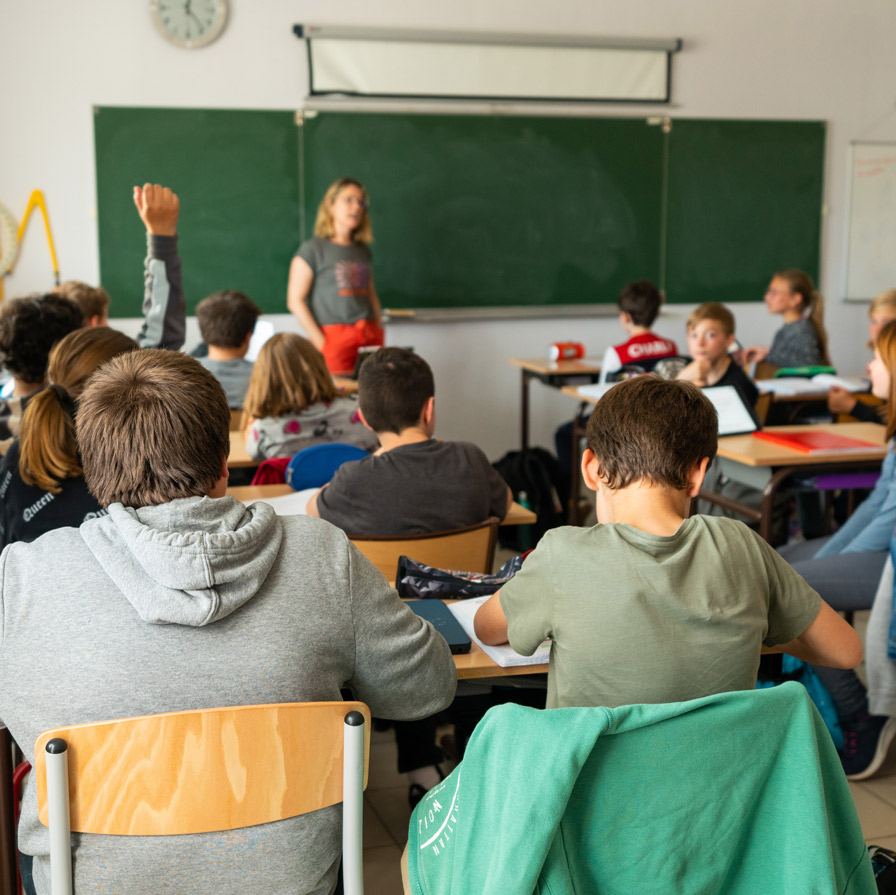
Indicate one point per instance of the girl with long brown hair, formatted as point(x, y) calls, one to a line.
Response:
point(292, 402)
point(41, 482)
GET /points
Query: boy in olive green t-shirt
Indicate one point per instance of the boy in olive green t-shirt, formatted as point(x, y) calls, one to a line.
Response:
point(650, 605)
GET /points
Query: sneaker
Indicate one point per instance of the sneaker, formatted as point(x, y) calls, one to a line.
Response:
point(865, 746)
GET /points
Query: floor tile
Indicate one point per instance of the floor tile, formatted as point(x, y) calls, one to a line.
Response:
point(376, 833)
point(878, 818)
point(383, 772)
point(382, 870)
point(393, 810)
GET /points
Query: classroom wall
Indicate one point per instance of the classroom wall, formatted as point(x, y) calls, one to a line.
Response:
point(815, 59)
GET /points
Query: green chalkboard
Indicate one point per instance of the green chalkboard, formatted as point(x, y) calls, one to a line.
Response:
point(475, 210)
point(469, 210)
point(237, 176)
point(744, 200)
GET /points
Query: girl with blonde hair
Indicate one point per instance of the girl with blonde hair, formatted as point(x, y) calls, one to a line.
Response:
point(293, 403)
point(802, 340)
point(880, 313)
point(330, 290)
point(41, 481)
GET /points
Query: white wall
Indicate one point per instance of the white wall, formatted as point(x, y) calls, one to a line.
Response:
point(817, 59)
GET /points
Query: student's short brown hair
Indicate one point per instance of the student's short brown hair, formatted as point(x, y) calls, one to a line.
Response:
point(92, 300)
point(654, 430)
point(393, 387)
point(152, 426)
point(226, 318)
point(641, 301)
point(715, 311)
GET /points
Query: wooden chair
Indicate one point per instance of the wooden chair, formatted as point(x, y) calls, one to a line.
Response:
point(468, 549)
point(121, 777)
point(236, 420)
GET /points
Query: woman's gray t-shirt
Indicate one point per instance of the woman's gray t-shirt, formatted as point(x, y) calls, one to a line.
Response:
point(340, 291)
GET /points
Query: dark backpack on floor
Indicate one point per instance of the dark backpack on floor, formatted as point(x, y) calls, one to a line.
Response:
point(536, 472)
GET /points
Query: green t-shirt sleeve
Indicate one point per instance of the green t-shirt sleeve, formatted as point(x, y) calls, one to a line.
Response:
point(528, 600)
point(792, 604)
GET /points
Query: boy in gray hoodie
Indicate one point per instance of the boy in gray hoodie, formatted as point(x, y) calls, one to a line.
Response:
point(182, 598)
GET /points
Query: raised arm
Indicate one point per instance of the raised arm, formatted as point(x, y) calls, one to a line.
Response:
point(298, 294)
point(164, 311)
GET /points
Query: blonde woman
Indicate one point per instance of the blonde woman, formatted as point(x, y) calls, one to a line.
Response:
point(292, 402)
point(41, 481)
point(330, 290)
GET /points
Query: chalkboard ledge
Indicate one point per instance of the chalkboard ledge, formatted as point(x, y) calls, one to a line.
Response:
point(513, 312)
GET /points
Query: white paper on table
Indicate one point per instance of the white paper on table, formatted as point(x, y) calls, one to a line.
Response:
point(822, 382)
point(505, 656)
point(295, 504)
point(596, 390)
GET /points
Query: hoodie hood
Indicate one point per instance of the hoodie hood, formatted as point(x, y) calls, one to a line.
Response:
point(188, 562)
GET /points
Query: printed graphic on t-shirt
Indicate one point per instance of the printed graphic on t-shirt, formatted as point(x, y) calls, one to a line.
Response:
point(353, 278)
point(437, 818)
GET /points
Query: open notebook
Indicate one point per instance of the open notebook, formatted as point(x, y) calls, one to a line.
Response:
point(502, 655)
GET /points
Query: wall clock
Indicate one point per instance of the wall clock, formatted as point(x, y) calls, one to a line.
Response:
point(189, 23)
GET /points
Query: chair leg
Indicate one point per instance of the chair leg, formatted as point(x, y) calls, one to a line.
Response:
point(59, 818)
point(353, 804)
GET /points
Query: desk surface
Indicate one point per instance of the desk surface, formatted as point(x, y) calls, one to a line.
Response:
point(752, 451)
point(517, 515)
point(583, 366)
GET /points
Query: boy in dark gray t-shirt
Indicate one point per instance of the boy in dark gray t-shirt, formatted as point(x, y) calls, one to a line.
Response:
point(226, 320)
point(413, 484)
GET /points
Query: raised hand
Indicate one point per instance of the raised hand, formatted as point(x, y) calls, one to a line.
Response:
point(158, 207)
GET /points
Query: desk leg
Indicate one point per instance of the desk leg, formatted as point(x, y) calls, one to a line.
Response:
point(768, 499)
point(524, 410)
point(8, 881)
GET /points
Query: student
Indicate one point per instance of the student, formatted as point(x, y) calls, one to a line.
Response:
point(710, 330)
point(802, 340)
point(330, 290)
point(292, 402)
point(651, 605)
point(226, 320)
point(639, 304)
point(182, 598)
point(92, 300)
point(29, 328)
point(881, 312)
point(42, 485)
point(413, 483)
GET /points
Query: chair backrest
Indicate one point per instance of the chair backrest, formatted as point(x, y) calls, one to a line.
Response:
point(761, 408)
point(236, 420)
point(467, 549)
point(313, 467)
point(204, 771)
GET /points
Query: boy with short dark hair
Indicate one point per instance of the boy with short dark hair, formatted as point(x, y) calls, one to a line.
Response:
point(710, 330)
point(651, 604)
point(413, 484)
point(639, 305)
point(226, 320)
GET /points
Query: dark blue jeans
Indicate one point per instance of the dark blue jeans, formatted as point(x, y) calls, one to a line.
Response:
point(25, 862)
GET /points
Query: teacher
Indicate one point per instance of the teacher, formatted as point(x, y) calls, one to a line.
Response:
point(330, 290)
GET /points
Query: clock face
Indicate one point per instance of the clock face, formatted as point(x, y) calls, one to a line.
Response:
point(189, 23)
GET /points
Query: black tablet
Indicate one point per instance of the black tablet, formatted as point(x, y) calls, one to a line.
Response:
point(441, 618)
point(736, 417)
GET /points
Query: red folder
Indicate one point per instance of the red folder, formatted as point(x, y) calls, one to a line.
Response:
point(816, 442)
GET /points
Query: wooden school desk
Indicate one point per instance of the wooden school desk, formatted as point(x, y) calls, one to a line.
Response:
point(766, 466)
point(552, 373)
point(516, 515)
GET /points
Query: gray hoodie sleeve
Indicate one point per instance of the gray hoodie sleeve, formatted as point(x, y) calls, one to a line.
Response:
point(403, 667)
point(164, 310)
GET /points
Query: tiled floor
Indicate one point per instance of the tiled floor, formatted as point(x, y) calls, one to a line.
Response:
point(387, 812)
